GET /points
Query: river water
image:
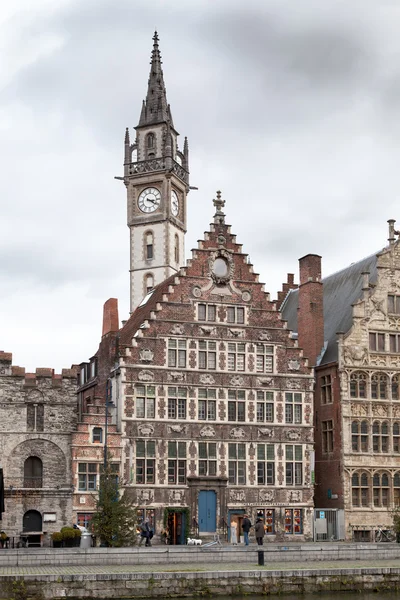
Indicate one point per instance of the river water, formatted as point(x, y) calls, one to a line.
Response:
point(356, 595)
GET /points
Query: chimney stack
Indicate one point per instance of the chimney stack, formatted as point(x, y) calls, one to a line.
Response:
point(110, 316)
point(310, 317)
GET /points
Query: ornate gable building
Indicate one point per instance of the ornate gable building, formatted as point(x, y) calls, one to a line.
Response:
point(357, 398)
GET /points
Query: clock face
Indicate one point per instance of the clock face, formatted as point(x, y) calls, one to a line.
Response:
point(174, 203)
point(149, 200)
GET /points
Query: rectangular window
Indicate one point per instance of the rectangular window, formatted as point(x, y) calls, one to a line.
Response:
point(265, 407)
point(207, 355)
point(294, 465)
point(207, 459)
point(235, 314)
point(207, 405)
point(377, 342)
point(87, 477)
point(264, 358)
point(236, 405)
point(145, 461)
point(327, 436)
point(207, 312)
point(394, 342)
point(265, 464)
point(294, 521)
point(145, 401)
point(149, 251)
point(394, 304)
point(237, 464)
point(35, 417)
point(177, 462)
point(236, 356)
point(177, 353)
point(293, 407)
point(326, 389)
point(177, 402)
point(84, 519)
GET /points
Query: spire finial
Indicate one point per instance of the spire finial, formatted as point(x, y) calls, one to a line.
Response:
point(219, 216)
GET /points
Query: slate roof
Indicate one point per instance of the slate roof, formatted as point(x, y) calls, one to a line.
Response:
point(341, 291)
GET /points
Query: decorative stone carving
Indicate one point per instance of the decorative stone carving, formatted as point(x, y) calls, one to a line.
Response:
point(236, 333)
point(377, 360)
point(145, 496)
point(237, 380)
point(264, 336)
point(359, 410)
point(221, 240)
point(237, 496)
point(237, 433)
point(293, 384)
point(176, 376)
point(295, 496)
point(379, 306)
point(293, 365)
point(196, 291)
point(177, 329)
point(267, 496)
point(396, 411)
point(177, 429)
point(176, 496)
point(206, 379)
point(207, 431)
point(380, 410)
point(146, 355)
point(145, 376)
point(221, 254)
point(207, 330)
point(355, 354)
point(145, 429)
point(246, 296)
point(293, 434)
point(264, 432)
point(264, 381)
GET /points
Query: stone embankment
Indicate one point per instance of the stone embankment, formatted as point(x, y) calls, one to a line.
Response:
point(53, 574)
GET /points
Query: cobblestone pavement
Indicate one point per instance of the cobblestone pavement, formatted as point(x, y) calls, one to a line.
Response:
point(196, 567)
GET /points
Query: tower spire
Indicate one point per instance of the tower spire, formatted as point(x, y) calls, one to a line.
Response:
point(155, 108)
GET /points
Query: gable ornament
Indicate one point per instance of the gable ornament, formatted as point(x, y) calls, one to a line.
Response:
point(146, 355)
point(145, 376)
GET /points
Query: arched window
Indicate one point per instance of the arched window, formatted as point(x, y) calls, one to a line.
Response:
point(396, 489)
point(97, 435)
point(176, 249)
point(380, 485)
point(32, 521)
point(396, 437)
point(134, 155)
point(359, 436)
point(395, 388)
point(358, 385)
point(379, 387)
point(150, 145)
point(149, 245)
point(360, 489)
point(149, 282)
point(380, 437)
point(33, 472)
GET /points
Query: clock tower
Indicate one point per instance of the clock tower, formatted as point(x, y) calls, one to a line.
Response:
point(156, 175)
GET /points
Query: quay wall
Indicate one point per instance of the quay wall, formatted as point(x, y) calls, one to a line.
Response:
point(313, 552)
point(192, 584)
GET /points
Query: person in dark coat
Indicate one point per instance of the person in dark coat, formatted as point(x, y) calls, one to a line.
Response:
point(246, 524)
point(145, 533)
point(260, 531)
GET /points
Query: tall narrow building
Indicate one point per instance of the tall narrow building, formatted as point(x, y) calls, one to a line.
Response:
point(156, 175)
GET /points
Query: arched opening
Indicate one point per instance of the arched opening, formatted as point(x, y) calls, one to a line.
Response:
point(379, 387)
point(150, 145)
point(358, 385)
point(32, 521)
point(176, 249)
point(33, 472)
point(359, 436)
point(360, 489)
point(380, 485)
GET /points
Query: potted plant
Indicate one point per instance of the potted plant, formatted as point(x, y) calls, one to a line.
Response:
point(57, 539)
point(68, 536)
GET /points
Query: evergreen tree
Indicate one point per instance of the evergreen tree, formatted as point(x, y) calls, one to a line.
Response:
point(114, 521)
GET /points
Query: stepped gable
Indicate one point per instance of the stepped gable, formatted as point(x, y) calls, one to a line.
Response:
point(218, 273)
point(341, 290)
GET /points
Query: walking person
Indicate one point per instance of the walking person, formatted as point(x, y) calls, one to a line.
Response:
point(145, 533)
point(260, 531)
point(234, 533)
point(246, 524)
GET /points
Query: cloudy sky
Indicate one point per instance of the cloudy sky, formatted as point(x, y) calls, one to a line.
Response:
point(291, 108)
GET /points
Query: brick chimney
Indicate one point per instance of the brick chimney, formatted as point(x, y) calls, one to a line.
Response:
point(110, 316)
point(310, 316)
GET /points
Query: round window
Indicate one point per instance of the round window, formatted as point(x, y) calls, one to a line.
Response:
point(220, 267)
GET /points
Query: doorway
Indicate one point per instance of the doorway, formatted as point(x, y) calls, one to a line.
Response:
point(176, 525)
point(236, 517)
point(207, 511)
